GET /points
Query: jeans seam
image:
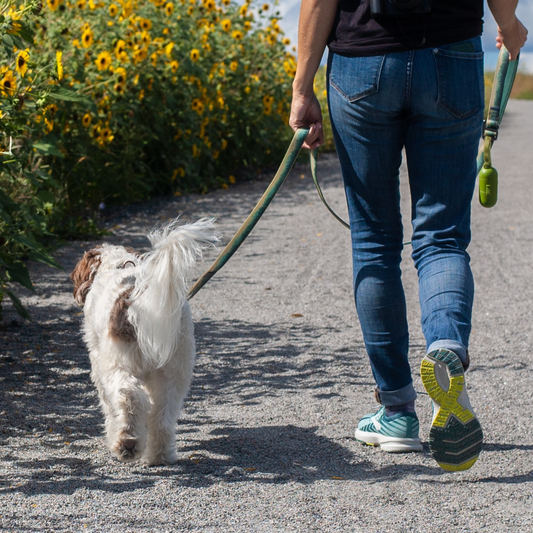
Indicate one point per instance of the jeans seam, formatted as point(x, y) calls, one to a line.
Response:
point(408, 78)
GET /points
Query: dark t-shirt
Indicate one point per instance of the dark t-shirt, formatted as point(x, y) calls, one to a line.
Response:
point(357, 33)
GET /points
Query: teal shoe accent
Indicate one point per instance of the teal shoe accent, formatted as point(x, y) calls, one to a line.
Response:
point(394, 434)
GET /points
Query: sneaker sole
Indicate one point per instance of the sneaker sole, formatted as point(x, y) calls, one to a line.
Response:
point(389, 444)
point(456, 437)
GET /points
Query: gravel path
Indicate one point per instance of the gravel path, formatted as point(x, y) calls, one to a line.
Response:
point(266, 438)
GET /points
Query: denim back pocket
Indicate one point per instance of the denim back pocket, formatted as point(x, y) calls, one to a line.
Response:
point(355, 77)
point(460, 81)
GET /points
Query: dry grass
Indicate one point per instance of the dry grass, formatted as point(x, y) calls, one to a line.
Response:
point(522, 87)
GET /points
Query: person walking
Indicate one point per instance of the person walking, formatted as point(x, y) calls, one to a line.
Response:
point(407, 75)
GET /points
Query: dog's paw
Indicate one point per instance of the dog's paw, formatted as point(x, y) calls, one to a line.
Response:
point(165, 458)
point(127, 449)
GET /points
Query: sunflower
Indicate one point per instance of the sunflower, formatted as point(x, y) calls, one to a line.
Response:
point(265, 7)
point(168, 49)
point(86, 120)
point(139, 54)
point(8, 84)
point(145, 38)
point(195, 54)
point(145, 24)
point(225, 2)
point(121, 74)
point(247, 25)
point(105, 135)
point(169, 9)
point(243, 11)
point(237, 35)
point(209, 5)
point(53, 4)
point(198, 106)
point(113, 10)
point(119, 88)
point(87, 38)
point(22, 62)
point(226, 24)
point(234, 66)
point(103, 61)
point(59, 64)
point(120, 49)
point(80, 4)
point(127, 9)
point(190, 10)
point(51, 110)
point(153, 59)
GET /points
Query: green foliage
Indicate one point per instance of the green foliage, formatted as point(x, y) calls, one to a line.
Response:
point(26, 189)
point(110, 101)
point(183, 96)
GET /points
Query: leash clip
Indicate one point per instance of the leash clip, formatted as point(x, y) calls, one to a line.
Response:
point(490, 129)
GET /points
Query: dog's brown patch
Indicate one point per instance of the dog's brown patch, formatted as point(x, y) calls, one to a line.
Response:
point(84, 273)
point(120, 328)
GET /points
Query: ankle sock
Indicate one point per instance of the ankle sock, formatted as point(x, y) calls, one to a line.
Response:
point(408, 407)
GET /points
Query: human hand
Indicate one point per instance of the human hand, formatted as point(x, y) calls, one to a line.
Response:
point(306, 113)
point(513, 37)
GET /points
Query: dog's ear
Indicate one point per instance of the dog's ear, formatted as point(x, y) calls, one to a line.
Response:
point(83, 275)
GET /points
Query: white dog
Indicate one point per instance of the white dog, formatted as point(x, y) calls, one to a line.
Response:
point(139, 332)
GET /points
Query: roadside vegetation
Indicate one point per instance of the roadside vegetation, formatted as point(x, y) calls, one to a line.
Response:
point(113, 101)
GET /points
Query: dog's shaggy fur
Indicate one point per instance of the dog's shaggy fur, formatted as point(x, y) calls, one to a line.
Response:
point(139, 332)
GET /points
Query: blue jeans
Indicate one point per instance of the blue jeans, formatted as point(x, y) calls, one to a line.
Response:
point(430, 102)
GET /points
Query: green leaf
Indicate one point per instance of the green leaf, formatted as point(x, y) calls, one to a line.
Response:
point(46, 196)
point(43, 257)
point(8, 40)
point(60, 93)
point(18, 273)
point(26, 33)
point(21, 310)
point(7, 202)
point(38, 253)
point(48, 149)
point(4, 215)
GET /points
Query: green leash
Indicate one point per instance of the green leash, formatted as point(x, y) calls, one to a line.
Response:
point(488, 176)
point(243, 232)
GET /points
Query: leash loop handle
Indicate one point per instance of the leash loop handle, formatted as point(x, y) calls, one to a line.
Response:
point(501, 90)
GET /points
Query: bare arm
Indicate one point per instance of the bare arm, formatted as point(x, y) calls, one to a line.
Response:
point(316, 22)
point(511, 32)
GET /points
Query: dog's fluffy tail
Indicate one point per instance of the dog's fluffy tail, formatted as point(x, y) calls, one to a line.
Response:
point(161, 286)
